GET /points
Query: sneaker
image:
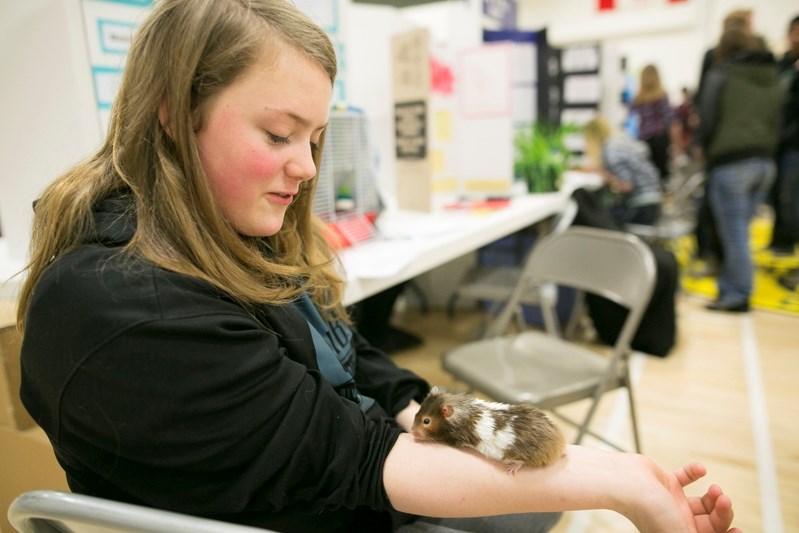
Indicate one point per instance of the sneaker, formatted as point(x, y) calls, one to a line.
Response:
point(728, 307)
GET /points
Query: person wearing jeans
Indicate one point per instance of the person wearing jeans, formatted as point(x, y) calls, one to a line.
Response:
point(739, 124)
point(786, 211)
point(736, 189)
point(785, 192)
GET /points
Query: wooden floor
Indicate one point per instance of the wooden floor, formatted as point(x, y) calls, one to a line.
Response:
point(728, 396)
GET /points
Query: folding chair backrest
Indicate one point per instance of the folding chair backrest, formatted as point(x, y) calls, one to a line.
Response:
point(616, 265)
point(543, 368)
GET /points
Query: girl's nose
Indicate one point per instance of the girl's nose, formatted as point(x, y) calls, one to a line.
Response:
point(301, 166)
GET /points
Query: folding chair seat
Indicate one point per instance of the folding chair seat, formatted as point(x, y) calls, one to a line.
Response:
point(494, 285)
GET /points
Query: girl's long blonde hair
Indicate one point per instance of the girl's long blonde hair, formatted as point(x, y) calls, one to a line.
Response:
point(650, 89)
point(595, 133)
point(185, 53)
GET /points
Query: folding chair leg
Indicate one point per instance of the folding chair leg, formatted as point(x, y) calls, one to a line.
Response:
point(521, 323)
point(633, 416)
point(451, 302)
point(583, 428)
point(587, 431)
point(420, 295)
point(485, 328)
point(577, 313)
point(590, 415)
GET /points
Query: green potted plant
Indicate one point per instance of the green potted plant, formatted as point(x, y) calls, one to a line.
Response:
point(542, 155)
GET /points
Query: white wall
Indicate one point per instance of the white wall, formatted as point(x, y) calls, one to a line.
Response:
point(49, 120)
point(673, 37)
point(369, 76)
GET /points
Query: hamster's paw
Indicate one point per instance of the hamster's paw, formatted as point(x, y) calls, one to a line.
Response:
point(512, 468)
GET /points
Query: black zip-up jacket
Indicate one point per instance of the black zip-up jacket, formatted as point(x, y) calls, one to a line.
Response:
point(154, 388)
point(789, 81)
point(740, 109)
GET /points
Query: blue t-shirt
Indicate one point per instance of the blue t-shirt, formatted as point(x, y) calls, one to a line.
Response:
point(335, 354)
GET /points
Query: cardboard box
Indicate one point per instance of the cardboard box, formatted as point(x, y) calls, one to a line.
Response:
point(453, 121)
point(12, 413)
point(27, 463)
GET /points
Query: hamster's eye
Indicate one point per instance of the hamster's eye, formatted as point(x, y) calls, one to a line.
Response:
point(426, 421)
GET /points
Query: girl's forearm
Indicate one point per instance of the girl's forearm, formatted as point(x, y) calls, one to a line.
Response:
point(434, 480)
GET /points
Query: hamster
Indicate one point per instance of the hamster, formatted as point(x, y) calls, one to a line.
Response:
point(515, 435)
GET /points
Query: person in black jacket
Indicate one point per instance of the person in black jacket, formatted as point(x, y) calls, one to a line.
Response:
point(738, 129)
point(185, 345)
point(784, 194)
point(708, 245)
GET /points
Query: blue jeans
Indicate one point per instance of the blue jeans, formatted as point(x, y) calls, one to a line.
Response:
point(736, 189)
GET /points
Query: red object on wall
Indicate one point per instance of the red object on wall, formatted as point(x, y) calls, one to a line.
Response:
point(610, 5)
point(606, 5)
point(441, 76)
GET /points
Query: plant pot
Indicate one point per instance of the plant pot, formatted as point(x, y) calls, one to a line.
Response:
point(547, 180)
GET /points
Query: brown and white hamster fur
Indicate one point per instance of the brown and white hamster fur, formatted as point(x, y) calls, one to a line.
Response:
point(516, 434)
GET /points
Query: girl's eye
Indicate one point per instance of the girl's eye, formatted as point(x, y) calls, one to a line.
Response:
point(277, 139)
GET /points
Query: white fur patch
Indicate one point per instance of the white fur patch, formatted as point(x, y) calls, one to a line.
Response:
point(494, 406)
point(493, 443)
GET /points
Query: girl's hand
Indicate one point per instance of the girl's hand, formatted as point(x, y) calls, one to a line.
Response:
point(709, 513)
point(712, 512)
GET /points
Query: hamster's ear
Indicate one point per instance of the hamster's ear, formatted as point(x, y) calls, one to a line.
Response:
point(434, 390)
point(447, 411)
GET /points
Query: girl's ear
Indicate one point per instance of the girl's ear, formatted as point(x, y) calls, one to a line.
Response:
point(163, 117)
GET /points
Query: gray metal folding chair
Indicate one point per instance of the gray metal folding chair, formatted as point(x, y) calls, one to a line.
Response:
point(494, 285)
point(678, 211)
point(48, 511)
point(541, 367)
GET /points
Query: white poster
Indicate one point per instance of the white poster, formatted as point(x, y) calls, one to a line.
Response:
point(485, 81)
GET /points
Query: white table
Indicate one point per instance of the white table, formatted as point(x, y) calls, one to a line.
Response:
point(412, 243)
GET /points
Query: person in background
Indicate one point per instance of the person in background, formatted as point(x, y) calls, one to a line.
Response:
point(785, 191)
point(708, 246)
point(738, 18)
point(791, 55)
point(739, 123)
point(185, 345)
point(651, 104)
point(373, 319)
point(686, 122)
point(632, 180)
